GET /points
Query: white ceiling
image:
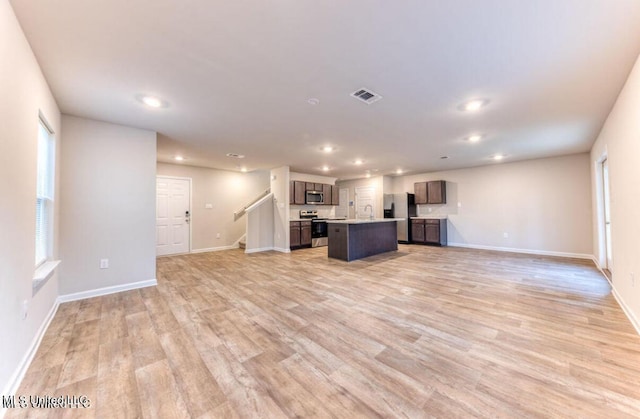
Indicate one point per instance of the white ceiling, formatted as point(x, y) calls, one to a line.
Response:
point(237, 76)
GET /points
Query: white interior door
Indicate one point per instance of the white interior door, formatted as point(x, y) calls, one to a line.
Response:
point(342, 210)
point(365, 202)
point(173, 215)
point(607, 213)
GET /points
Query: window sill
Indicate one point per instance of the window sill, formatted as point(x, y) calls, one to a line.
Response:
point(43, 273)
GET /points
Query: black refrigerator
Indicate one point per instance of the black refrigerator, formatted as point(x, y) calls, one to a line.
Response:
point(401, 205)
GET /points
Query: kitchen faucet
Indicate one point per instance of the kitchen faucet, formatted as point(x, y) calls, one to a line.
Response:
point(371, 208)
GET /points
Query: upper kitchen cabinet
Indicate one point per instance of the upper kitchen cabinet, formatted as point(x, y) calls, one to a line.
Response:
point(432, 192)
point(326, 193)
point(437, 192)
point(299, 192)
point(335, 195)
point(420, 190)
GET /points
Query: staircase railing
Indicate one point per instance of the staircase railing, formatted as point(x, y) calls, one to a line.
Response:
point(243, 210)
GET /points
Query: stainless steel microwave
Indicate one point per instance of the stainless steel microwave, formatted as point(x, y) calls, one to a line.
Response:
point(314, 197)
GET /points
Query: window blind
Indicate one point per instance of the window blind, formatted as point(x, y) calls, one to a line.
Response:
point(44, 193)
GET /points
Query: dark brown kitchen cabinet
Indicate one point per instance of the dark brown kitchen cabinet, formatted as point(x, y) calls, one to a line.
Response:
point(335, 195)
point(429, 231)
point(299, 192)
point(292, 193)
point(432, 192)
point(417, 231)
point(420, 190)
point(294, 234)
point(299, 234)
point(437, 192)
point(305, 233)
point(326, 193)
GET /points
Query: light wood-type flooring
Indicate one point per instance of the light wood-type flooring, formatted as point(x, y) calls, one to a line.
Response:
point(422, 332)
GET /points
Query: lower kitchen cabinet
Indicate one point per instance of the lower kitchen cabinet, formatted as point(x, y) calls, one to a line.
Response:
point(305, 233)
point(299, 234)
point(429, 231)
point(417, 231)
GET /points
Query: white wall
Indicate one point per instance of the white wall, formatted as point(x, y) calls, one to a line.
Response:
point(619, 140)
point(108, 199)
point(227, 192)
point(260, 226)
point(24, 94)
point(280, 188)
point(543, 205)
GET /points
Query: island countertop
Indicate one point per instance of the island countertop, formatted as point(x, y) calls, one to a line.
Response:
point(365, 220)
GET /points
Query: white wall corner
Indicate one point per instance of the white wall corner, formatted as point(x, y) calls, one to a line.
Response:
point(14, 382)
point(632, 318)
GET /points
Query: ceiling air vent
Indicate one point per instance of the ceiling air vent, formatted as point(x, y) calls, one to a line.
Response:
point(366, 95)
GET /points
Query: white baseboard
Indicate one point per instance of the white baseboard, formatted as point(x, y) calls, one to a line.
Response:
point(282, 250)
point(15, 380)
point(634, 321)
point(526, 251)
point(259, 249)
point(215, 249)
point(106, 290)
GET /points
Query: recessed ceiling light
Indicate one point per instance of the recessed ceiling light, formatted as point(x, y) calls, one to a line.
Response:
point(327, 149)
point(313, 101)
point(474, 138)
point(498, 157)
point(235, 155)
point(325, 168)
point(152, 101)
point(243, 169)
point(399, 172)
point(178, 158)
point(473, 105)
point(358, 162)
point(368, 174)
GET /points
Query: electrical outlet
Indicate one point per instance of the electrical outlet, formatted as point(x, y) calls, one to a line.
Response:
point(104, 263)
point(505, 235)
point(217, 235)
point(208, 206)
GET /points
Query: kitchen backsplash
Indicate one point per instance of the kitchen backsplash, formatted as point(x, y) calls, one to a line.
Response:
point(323, 211)
point(423, 210)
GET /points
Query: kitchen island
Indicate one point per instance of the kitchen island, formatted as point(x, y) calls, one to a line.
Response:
point(355, 239)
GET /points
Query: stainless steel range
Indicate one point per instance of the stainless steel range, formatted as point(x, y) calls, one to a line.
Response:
point(319, 232)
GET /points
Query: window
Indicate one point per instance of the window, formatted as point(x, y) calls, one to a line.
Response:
point(44, 193)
